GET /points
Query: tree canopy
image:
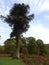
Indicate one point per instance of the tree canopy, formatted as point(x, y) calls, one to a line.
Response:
point(19, 19)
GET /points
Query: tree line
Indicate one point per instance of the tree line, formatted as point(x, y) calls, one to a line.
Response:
point(27, 45)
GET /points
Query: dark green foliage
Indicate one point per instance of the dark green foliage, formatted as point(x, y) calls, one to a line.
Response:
point(36, 46)
point(32, 46)
point(23, 47)
point(18, 19)
point(9, 46)
point(47, 46)
point(41, 47)
point(2, 50)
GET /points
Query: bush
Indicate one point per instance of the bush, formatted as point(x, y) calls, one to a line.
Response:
point(4, 55)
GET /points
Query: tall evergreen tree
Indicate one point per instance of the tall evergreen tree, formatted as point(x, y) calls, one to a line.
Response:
point(18, 19)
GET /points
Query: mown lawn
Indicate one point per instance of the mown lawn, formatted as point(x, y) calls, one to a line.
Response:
point(10, 61)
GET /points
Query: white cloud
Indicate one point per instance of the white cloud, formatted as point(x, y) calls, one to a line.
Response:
point(47, 17)
point(3, 38)
point(34, 5)
point(2, 28)
point(44, 6)
point(0, 0)
point(5, 33)
point(39, 32)
point(4, 9)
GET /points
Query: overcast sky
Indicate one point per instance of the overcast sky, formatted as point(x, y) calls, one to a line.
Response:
point(39, 26)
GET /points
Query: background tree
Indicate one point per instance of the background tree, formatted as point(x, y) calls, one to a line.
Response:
point(32, 46)
point(2, 50)
point(47, 46)
point(9, 46)
point(42, 50)
point(23, 48)
point(18, 19)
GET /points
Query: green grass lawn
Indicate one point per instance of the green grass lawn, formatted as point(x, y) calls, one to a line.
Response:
point(10, 61)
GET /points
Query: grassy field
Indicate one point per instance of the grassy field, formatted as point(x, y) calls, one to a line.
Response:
point(10, 61)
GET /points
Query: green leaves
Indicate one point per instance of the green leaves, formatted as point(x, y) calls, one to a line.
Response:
point(19, 19)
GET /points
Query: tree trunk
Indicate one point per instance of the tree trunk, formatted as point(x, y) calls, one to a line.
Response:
point(17, 48)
